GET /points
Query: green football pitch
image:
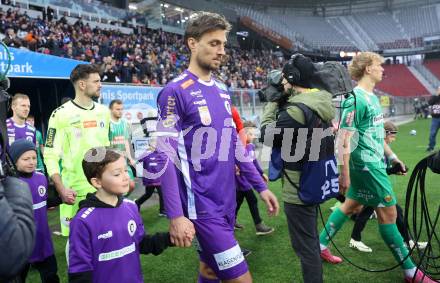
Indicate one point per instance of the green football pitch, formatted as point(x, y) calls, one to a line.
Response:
point(272, 258)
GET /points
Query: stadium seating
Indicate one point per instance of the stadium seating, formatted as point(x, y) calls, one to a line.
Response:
point(433, 66)
point(401, 28)
point(399, 81)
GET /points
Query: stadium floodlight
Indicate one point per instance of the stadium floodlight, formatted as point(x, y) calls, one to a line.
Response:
point(132, 6)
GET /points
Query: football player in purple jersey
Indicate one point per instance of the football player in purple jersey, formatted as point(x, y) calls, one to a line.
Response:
point(197, 133)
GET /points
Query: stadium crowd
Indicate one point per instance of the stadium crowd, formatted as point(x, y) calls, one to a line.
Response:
point(151, 57)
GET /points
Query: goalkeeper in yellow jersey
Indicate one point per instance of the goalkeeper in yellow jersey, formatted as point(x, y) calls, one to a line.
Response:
point(74, 128)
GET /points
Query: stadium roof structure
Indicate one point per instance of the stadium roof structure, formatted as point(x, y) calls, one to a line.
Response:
point(333, 6)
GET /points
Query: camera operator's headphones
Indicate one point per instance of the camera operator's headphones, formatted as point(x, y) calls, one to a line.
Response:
point(290, 72)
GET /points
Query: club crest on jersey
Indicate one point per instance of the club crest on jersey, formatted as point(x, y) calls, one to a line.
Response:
point(102, 124)
point(131, 226)
point(41, 191)
point(228, 107)
point(205, 117)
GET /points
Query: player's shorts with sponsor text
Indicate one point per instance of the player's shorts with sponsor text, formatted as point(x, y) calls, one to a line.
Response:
point(371, 187)
point(218, 247)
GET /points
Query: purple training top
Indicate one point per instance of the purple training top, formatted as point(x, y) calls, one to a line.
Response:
point(17, 132)
point(105, 241)
point(242, 183)
point(43, 241)
point(197, 133)
point(153, 164)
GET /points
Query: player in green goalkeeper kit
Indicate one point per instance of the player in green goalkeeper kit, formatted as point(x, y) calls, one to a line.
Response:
point(74, 128)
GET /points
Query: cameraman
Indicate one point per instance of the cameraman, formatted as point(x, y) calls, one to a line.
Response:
point(286, 112)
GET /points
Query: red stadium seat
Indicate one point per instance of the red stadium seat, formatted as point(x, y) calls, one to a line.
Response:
point(399, 81)
point(434, 67)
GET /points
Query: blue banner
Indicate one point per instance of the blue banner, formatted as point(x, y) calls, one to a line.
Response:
point(29, 64)
point(139, 101)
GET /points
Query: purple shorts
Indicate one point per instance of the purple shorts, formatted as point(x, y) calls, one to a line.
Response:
point(218, 248)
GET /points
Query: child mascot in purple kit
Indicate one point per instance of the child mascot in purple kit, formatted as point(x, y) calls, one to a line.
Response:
point(107, 234)
point(244, 189)
point(24, 155)
point(153, 163)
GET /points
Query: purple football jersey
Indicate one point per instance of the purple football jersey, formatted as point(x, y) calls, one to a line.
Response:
point(242, 183)
point(105, 241)
point(17, 132)
point(153, 165)
point(197, 133)
point(43, 240)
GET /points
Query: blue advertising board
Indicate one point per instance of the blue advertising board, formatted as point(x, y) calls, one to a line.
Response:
point(139, 101)
point(29, 64)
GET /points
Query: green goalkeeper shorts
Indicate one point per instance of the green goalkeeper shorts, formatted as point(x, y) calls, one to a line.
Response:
point(371, 188)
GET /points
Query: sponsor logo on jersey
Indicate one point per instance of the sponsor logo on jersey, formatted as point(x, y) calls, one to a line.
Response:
point(228, 107)
point(186, 84)
point(229, 258)
point(41, 191)
point(378, 119)
point(349, 118)
point(170, 119)
point(106, 235)
point(200, 102)
point(50, 137)
point(131, 226)
point(29, 139)
point(39, 205)
point(118, 140)
point(225, 96)
point(205, 116)
point(90, 124)
point(196, 93)
point(117, 253)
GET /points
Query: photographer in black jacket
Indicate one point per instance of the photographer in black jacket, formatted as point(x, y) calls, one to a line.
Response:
point(294, 106)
